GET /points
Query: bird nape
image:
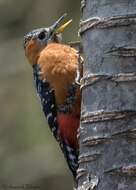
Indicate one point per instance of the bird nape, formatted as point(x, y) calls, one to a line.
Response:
point(55, 67)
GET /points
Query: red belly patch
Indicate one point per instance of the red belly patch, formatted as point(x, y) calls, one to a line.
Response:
point(68, 125)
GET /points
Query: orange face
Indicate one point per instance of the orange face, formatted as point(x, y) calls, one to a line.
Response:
point(32, 51)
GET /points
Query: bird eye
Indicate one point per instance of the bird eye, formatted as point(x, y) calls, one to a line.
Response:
point(42, 35)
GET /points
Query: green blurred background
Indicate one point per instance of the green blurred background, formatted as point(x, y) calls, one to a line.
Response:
point(28, 152)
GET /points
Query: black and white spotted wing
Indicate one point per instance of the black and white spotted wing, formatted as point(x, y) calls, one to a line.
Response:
point(49, 107)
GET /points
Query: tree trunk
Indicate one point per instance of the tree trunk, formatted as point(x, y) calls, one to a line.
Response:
point(107, 158)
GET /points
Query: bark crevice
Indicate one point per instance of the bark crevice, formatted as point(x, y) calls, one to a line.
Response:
point(102, 115)
point(101, 23)
point(126, 170)
point(92, 78)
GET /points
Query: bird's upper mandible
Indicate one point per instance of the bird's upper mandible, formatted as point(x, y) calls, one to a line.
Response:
point(36, 40)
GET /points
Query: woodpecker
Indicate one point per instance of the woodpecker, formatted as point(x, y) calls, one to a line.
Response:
point(56, 72)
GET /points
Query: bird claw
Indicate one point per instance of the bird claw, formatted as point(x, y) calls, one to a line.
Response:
point(79, 71)
point(78, 133)
point(78, 77)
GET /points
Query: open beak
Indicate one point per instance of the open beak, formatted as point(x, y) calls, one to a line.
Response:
point(55, 29)
point(62, 27)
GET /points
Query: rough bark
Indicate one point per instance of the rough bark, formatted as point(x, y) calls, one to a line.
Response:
point(107, 158)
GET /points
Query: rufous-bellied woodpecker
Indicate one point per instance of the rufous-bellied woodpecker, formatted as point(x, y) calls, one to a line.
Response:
point(55, 68)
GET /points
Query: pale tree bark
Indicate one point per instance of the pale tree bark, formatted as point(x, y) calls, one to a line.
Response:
point(107, 134)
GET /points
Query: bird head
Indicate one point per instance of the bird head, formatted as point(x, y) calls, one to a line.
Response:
point(38, 39)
